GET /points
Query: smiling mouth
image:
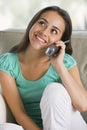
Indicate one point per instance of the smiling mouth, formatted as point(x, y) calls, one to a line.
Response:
point(40, 39)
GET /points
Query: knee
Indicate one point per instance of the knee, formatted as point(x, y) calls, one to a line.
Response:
point(55, 93)
point(56, 105)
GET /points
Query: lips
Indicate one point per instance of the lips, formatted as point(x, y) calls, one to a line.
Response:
point(40, 39)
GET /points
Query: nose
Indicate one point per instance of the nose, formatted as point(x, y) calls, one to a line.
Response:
point(45, 32)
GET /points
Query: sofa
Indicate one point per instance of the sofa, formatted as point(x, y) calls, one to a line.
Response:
point(9, 38)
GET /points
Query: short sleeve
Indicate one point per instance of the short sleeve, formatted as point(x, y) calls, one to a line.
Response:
point(69, 61)
point(6, 64)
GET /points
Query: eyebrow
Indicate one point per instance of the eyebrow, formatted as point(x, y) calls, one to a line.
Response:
point(44, 20)
point(57, 28)
point(53, 26)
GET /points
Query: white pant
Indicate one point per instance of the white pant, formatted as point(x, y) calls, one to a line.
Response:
point(10, 126)
point(57, 110)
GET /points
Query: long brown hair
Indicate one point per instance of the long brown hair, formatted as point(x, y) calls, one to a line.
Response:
point(66, 35)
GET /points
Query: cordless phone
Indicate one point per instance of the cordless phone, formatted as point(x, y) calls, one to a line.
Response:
point(53, 49)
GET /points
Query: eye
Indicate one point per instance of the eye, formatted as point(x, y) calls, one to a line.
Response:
point(54, 31)
point(42, 23)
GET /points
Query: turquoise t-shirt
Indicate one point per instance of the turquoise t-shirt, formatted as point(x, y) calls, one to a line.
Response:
point(31, 91)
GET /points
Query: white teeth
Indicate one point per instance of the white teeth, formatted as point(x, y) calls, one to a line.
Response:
point(40, 39)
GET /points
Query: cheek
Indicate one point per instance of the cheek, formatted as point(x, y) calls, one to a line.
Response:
point(31, 32)
point(34, 28)
point(29, 35)
point(55, 39)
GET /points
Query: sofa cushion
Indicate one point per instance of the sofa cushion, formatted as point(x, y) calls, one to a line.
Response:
point(79, 44)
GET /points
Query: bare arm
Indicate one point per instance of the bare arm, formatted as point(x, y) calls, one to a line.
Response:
point(71, 80)
point(14, 102)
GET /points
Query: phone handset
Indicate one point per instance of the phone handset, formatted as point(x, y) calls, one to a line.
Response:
point(53, 49)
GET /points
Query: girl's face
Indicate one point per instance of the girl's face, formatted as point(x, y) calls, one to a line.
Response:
point(47, 30)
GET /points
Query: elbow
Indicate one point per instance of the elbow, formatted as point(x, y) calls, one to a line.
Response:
point(83, 104)
point(82, 107)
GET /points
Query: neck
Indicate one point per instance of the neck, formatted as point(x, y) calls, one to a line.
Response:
point(32, 56)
